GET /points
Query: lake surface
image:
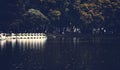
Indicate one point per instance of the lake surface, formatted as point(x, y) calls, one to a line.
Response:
point(73, 53)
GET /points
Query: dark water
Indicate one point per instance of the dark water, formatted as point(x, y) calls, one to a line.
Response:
point(60, 54)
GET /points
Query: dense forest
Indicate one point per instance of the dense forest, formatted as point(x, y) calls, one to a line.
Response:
point(60, 16)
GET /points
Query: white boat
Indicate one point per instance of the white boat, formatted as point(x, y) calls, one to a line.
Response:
point(25, 36)
point(2, 36)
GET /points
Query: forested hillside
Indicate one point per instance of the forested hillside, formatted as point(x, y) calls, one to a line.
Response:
point(60, 16)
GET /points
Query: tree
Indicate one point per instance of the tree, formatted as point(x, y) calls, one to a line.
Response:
point(33, 21)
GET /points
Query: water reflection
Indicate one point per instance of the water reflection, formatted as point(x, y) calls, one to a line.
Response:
point(23, 43)
point(31, 43)
point(3, 43)
point(76, 53)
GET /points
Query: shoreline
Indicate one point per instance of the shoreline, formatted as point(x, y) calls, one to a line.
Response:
point(83, 35)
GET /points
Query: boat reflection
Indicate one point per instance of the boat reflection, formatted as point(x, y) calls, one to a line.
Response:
point(31, 43)
point(23, 43)
point(3, 43)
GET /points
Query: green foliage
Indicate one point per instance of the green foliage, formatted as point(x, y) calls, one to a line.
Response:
point(54, 14)
point(84, 14)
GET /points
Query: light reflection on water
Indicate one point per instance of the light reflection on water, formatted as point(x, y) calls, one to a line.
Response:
point(31, 43)
point(3, 43)
point(24, 43)
point(75, 53)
